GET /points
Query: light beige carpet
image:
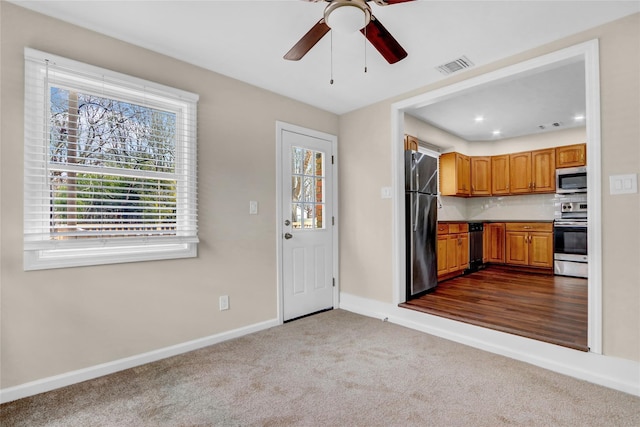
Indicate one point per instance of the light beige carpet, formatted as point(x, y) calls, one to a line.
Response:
point(332, 369)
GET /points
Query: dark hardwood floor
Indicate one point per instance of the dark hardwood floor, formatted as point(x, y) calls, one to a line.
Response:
point(543, 307)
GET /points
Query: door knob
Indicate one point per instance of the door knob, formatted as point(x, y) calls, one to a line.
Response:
point(288, 236)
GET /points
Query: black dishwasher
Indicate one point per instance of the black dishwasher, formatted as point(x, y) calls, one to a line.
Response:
point(475, 247)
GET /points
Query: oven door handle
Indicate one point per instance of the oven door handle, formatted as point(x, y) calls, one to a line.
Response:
point(570, 225)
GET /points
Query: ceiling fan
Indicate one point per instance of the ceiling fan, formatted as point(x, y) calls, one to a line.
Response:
point(351, 16)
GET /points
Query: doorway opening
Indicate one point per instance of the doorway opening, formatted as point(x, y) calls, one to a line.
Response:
point(588, 54)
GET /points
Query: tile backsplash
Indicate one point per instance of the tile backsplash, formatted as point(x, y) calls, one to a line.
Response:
point(538, 207)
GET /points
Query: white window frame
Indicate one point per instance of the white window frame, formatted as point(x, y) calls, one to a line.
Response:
point(41, 252)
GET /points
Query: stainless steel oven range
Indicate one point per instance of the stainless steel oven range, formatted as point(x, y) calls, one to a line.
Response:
point(570, 238)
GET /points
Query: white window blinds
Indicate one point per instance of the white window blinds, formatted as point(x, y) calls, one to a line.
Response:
point(110, 166)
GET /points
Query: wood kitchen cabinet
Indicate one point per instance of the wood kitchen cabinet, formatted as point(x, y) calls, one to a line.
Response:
point(453, 249)
point(500, 175)
point(543, 169)
point(533, 172)
point(480, 176)
point(410, 143)
point(520, 173)
point(455, 178)
point(529, 244)
point(494, 242)
point(571, 156)
point(441, 250)
point(443, 267)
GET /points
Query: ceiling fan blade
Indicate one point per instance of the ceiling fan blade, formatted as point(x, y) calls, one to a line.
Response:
point(382, 40)
point(389, 2)
point(307, 41)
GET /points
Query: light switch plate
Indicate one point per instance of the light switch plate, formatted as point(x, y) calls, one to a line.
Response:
point(253, 207)
point(623, 184)
point(385, 192)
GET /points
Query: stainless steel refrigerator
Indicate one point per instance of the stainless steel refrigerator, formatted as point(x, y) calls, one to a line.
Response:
point(421, 189)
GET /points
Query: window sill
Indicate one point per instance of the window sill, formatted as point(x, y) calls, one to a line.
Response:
point(44, 259)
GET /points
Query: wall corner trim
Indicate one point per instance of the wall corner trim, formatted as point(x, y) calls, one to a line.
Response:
point(69, 378)
point(612, 372)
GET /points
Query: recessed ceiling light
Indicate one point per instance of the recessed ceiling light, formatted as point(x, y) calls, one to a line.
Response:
point(496, 132)
point(578, 117)
point(479, 119)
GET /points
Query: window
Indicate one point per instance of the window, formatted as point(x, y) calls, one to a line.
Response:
point(110, 167)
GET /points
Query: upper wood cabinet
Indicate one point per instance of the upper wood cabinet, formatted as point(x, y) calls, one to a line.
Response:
point(517, 173)
point(533, 171)
point(410, 143)
point(520, 173)
point(543, 169)
point(571, 155)
point(480, 176)
point(455, 179)
point(500, 175)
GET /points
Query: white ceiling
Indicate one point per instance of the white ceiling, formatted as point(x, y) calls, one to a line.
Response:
point(545, 100)
point(247, 39)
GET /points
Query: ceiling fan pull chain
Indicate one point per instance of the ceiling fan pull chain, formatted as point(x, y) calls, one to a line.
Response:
point(331, 35)
point(365, 44)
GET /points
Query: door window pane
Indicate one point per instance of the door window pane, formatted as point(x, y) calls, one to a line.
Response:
point(296, 188)
point(307, 189)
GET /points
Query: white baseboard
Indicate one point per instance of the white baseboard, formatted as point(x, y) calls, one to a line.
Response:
point(74, 377)
point(611, 372)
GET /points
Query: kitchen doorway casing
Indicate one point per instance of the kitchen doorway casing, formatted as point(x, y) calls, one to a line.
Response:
point(587, 52)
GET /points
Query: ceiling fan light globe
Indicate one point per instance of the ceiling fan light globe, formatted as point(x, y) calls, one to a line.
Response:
point(347, 16)
point(346, 19)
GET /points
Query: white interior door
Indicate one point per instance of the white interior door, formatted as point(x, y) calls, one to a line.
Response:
point(307, 224)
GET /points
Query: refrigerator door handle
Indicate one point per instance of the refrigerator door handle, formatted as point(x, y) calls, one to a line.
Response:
point(417, 174)
point(415, 218)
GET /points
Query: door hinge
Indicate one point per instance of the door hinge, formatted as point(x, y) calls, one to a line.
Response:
point(333, 220)
point(331, 159)
point(334, 281)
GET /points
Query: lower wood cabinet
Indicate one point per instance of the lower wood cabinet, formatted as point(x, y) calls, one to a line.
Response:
point(452, 249)
point(522, 244)
point(494, 242)
point(529, 244)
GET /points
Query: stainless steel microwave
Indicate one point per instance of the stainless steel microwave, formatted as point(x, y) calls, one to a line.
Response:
point(571, 180)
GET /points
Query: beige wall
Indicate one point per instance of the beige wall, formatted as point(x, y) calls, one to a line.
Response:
point(620, 105)
point(62, 320)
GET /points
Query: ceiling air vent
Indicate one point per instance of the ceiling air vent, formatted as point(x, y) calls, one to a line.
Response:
point(550, 125)
point(456, 65)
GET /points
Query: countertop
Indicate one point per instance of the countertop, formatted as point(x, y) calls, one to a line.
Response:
point(494, 221)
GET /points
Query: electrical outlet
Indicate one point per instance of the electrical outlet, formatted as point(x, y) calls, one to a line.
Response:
point(224, 302)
